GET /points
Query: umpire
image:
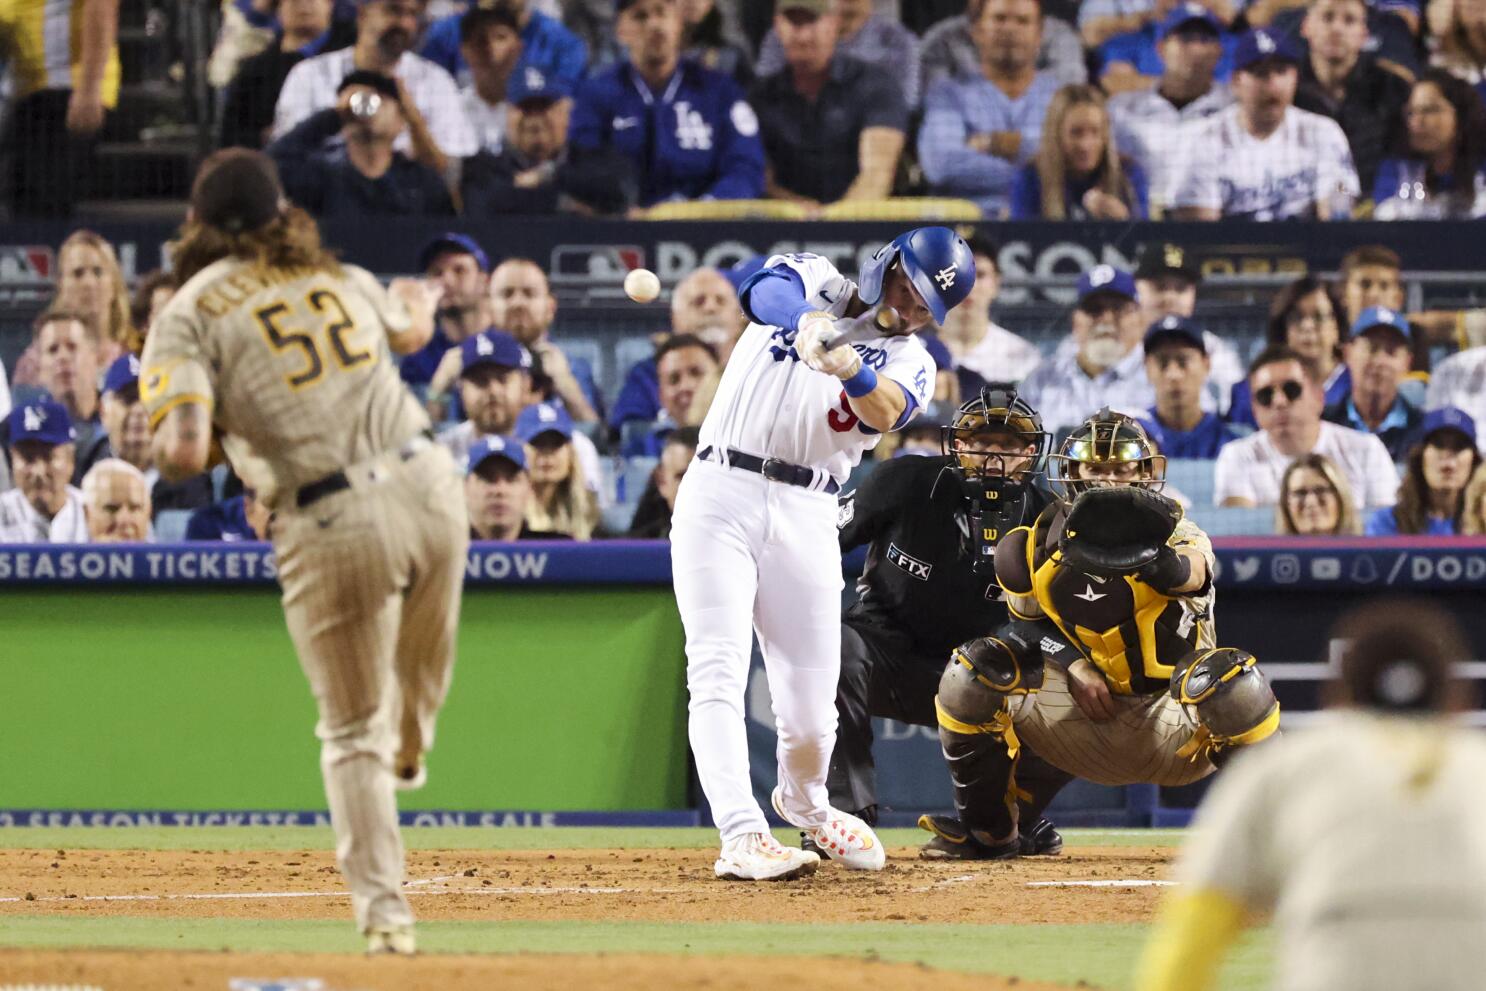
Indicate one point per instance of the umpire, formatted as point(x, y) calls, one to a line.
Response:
point(931, 525)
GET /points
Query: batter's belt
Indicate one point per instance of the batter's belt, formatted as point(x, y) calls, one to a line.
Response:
point(339, 481)
point(771, 468)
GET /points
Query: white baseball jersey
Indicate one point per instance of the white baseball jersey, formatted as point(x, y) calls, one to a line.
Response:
point(20, 523)
point(1365, 837)
point(1460, 381)
point(1149, 128)
point(488, 120)
point(1305, 162)
point(769, 404)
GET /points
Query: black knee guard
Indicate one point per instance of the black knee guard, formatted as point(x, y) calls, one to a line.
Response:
point(1232, 700)
point(984, 679)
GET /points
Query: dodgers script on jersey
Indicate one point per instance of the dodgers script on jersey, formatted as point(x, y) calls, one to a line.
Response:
point(771, 405)
point(1304, 164)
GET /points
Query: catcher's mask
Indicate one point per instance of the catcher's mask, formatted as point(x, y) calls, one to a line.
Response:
point(997, 413)
point(1109, 443)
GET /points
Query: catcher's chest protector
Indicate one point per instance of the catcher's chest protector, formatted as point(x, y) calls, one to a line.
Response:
point(1131, 632)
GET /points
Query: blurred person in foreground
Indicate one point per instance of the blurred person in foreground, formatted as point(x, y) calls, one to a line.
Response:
point(43, 507)
point(652, 519)
point(116, 503)
point(1315, 500)
point(1440, 464)
point(1312, 830)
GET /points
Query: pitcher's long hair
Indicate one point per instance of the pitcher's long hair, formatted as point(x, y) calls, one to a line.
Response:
point(291, 240)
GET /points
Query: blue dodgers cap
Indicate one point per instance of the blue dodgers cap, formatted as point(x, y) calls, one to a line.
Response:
point(1381, 316)
point(532, 85)
point(1174, 328)
point(1260, 44)
point(123, 373)
point(1448, 418)
point(1105, 278)
point(496, 446)
point(453, 243)
point(44, 421)
point(1188, 13)
point(543, 418)
point(493, 347)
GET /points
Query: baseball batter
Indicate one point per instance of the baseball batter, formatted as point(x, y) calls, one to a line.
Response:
point(1363, 837)
point(753, 538)
point(1108, 669)
point(286, 352)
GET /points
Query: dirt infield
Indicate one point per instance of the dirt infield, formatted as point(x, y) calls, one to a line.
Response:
point(1113, 884)
point(588, 885)
point(626, 972)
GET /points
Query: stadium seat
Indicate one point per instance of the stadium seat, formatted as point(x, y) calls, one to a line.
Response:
point(903, 208)
point(1234, 521)
point(617, 518)
point(630, 351)
point(1413, 389)
point(727, 210)
point(1193, 477)
point(220, 474)
point(589, 350)
point(633, 478)
point(170, 525)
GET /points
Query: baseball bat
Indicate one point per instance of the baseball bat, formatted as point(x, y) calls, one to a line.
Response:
point(884, 321)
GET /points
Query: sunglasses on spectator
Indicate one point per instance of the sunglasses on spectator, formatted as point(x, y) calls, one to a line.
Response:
point(1320, 493)
point(1292, 390)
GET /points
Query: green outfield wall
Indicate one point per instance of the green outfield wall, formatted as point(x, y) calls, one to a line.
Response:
point(154, 698)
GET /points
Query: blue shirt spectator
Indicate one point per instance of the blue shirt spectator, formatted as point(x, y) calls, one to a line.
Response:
point(1026, 194)
point(693, 138)
point(957, 145)
point(1382, 523)
point(639, 396)
point(1202, 441)
point(1140, 50)
point(545, 44)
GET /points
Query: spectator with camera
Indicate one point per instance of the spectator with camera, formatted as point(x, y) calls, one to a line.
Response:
point(1315, 500)
point(116, 503)
point(366, 175)
point(1440, 466)
point(536, 172)
point(386, 31)
point(1288, 400)
point(686, 130)
point(305, 28)
point(980, 129)
point(43, 507)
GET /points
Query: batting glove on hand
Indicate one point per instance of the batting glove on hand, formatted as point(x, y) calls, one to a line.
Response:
point(842, 362)
point(816, 330)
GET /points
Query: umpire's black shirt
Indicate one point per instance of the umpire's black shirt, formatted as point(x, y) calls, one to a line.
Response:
point(918, 577)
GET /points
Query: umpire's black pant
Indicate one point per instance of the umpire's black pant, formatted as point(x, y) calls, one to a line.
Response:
point(47, 163)
point(882, 674)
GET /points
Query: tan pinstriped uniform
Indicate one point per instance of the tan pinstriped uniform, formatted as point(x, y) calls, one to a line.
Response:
point(1135, 636)
point(296, 369)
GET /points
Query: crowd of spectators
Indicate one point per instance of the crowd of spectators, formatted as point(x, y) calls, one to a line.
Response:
point(1105, 109)
point(1335, 427)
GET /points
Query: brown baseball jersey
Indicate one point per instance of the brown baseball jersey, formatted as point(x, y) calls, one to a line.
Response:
point(294, 366)
point(296, 370)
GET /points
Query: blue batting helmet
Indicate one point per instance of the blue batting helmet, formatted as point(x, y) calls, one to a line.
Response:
point(935, 259)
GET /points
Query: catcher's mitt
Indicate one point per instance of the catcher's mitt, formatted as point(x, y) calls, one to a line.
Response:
point(1117, 531)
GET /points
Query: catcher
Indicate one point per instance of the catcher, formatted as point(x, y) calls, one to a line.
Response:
point(1108, 668)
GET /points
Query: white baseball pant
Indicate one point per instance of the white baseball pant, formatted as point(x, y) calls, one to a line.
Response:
point(753, 556)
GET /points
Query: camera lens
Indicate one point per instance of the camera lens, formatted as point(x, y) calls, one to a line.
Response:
point(365, 105)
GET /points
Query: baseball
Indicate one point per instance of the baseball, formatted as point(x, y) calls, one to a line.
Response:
point(642, 285)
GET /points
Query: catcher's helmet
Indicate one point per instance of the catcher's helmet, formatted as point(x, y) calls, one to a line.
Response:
point(936, 260)
point(1107, 438)
point(997, 409)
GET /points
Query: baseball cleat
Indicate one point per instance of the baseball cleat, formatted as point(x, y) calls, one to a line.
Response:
point(411, 777)
point(843, 838)
point(394, 940)
point(952, 841)
point(760, 857)
point(1041, 840)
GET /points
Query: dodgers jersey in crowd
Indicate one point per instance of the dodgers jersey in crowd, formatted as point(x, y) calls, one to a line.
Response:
point(771, 405)
point(1306, 161)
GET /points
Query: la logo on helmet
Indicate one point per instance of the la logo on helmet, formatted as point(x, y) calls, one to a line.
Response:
point(945, 278)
